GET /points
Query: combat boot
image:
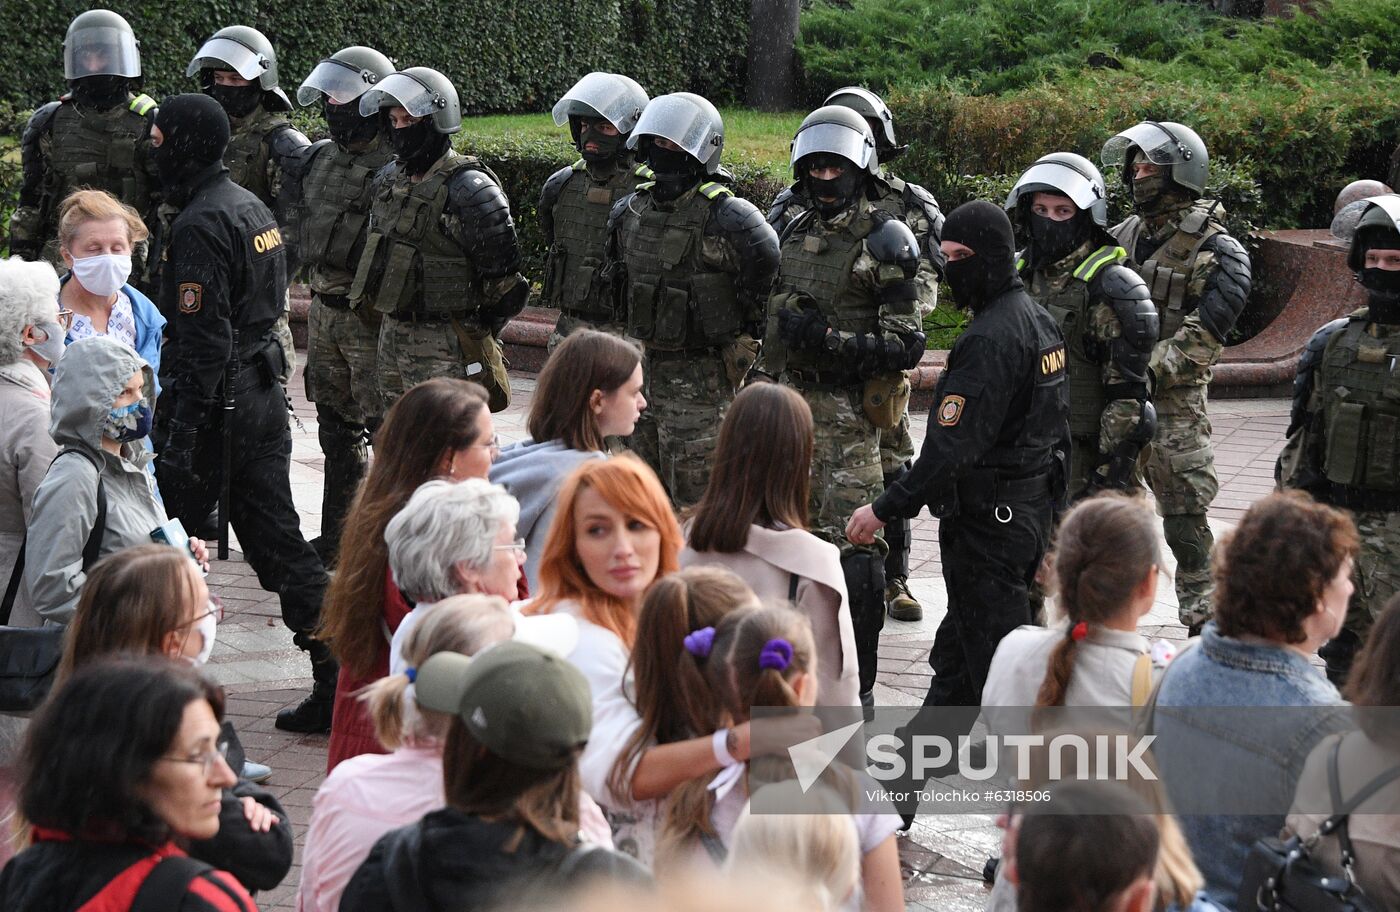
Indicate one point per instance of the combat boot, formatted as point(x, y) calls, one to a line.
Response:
point(900, 602)
point(313, 715)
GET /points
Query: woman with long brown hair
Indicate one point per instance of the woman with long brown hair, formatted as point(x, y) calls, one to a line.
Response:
point(752, 520)
point(438, 429)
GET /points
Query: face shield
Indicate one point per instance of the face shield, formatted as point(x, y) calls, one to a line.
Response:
point(616, 98)
point(227, 54)
point(835, 139)
point(338, 81)
point(1083, 188)
point(1158, 145)
point(100, 51)
point(683, 122)
point(402, 90)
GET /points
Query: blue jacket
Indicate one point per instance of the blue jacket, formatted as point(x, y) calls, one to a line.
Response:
point(149, 327)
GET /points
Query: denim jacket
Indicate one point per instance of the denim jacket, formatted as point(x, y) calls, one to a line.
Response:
point(1212, 759)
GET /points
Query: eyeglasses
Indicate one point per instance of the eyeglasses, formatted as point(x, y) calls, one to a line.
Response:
point(65, 319)
point(518, 546)
point(494, 445)
point(209, 759)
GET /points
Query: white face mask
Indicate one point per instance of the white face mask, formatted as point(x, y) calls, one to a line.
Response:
point(103, 274)
point(207, 627)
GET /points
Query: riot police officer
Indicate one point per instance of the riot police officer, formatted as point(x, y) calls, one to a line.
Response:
point(843, 325)
point(441, 262)
point(95, 136)
point(991, 467)
point(223, 284)
point(334, 178)
point(1199, 277)
point(1345, 426)
point(693, 265)
point(1073, 268)
point(237, 67)
point(601, 110)
point(919, 210)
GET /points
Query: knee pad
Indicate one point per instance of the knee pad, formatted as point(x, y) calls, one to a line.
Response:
point(1188, 530)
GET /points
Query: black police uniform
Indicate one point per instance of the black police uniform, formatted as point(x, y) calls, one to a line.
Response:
point(226, 273)
point(991, 468)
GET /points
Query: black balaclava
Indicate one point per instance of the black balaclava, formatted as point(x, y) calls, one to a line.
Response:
point(845, 189)
point(347, 126)
point(676, 171)
point(101, 92)
point(1382, 285)
point(195, 134)
point(418, 145)
point(1052, 241)
point(237, 101)
point(991, 271)
point(585, 130)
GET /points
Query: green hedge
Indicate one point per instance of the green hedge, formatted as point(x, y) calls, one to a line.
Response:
point(502, 55)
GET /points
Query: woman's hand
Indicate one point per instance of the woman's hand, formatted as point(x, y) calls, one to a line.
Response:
point(201, 552)
point(260, 818)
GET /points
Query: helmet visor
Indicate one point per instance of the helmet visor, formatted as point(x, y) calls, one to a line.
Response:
point(227, 54)
point(100, 51)
point(1061, 179)
point(1389, 204)
point(338, 81)
point(682, 122)
point(402, 90)
point(1160, 147)
point(616, 98)
point(836, 139)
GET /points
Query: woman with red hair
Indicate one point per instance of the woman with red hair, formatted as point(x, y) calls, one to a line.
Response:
point(613, 535)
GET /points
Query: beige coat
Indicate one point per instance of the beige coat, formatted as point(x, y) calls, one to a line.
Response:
point(770, 561)
point(26, 449)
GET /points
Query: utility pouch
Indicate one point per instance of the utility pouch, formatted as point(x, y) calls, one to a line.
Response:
point(1345, 435)
point(485, 364)
point(885, 397)
point(716, 306)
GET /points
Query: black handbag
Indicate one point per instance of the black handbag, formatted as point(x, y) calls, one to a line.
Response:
point(1282, 876)
point(29, 656)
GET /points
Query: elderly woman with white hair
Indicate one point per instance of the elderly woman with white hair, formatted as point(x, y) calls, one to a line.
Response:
point(452, 539)
point(31, 341)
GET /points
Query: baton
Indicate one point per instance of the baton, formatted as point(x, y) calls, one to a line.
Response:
point(226, 457)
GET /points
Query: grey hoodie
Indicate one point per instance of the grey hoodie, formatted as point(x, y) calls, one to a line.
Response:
point(532, 473)
point(90, 376)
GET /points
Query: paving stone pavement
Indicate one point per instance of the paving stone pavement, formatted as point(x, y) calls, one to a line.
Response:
point(942, 856)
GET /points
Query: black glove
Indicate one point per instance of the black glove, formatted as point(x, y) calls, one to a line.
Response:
point(495, 316)
point(177, 458)
point(806, 328)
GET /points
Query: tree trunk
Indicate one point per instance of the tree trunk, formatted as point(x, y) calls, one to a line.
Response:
point(772, 54)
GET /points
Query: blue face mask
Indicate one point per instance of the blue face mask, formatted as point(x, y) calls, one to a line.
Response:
point(128, 422)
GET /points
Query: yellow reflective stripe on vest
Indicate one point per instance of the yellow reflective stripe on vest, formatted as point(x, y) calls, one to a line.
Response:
point(1020, 263)
point(643, 171)
point(646, 185)
point(141, 104)
point(1097, 260)
point(579, 165)
point(711, 190)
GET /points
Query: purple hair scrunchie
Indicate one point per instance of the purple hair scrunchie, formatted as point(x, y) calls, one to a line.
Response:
point(700, 642)
point(776, 654)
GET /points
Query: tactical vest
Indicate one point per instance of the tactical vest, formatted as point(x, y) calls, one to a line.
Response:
point(675, 300)
point(1360, 386)
point(247, 154)
point(336, 198)
point(1070, 307)
point(411, 265)
point(98, 149)
point(821, 267)
point(1168, 272)
point(580, 235)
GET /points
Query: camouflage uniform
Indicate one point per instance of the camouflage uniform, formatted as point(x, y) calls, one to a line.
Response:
point(1342, 445)
point(573, 211)
point(1107, 382)
point(697, 269)
point(440, 267)
point(1195, 272)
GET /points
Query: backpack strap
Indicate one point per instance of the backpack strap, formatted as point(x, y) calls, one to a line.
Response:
point(792, 587)
point(1337, 823)
point(91, 547)
point(1142, 679)
point(165, 887)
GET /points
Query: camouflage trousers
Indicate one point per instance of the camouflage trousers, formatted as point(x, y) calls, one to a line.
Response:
point(896, 446)
point(846, 471)
point(340, 363)
point(1377, 574)
point(412, 351)
point(283, 329)
point(687, 395)
point(1179, 466)
point(567, 325)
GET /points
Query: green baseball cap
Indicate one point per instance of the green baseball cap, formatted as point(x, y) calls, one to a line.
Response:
point(524, 704)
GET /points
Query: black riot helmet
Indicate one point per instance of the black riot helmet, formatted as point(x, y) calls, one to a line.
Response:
point(834, 136)
point(247, 52)
point(339, 81)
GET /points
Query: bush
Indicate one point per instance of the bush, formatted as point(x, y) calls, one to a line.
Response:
point(501, 55)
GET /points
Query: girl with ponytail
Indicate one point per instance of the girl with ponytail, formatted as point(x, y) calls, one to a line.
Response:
point(766, 657)
point(1106, 564)
point(368, 795)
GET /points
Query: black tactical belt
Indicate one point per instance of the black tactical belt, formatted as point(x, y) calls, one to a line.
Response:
point(334, 301)
point(1008, 490)
point(1364, 499)
point(412, 316)
point(821, 381)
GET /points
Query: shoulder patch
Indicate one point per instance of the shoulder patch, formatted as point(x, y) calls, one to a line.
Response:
point(267, 240)
point(191, 297)
point(1052, 361)
point(950, 410)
